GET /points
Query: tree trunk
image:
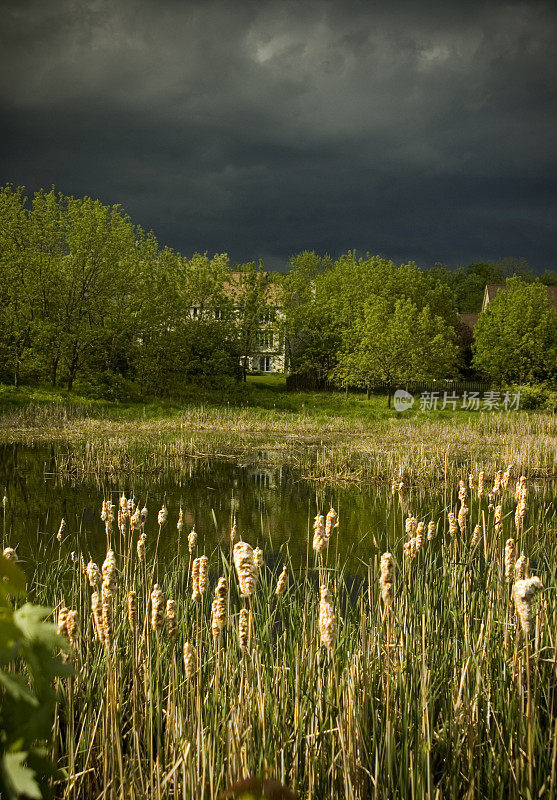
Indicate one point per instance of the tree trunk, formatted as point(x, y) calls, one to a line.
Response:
point(389, 396)
point(53, 370)
point(73, 368)
point(367, 392)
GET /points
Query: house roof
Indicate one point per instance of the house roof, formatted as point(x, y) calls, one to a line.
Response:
point(492, 289)
point(469, 320)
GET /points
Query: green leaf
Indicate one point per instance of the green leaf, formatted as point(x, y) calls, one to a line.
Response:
point(15, 686)
point(30, 620)
point(12, 578)
point(19, 778)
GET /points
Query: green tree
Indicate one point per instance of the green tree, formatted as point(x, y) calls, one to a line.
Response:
point(396, 345)
point(515, 338)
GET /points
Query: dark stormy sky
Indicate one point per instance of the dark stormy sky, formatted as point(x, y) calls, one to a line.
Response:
point(418, 130)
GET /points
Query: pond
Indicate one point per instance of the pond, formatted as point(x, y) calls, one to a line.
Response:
point(273, 509)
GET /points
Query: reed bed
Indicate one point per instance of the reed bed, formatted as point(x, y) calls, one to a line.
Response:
point(431, 674)
point(325, 449)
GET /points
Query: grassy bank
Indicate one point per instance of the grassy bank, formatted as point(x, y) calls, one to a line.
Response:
point(326, 436)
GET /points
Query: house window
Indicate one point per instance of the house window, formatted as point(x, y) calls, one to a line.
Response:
point(266, 340)
point(267, 316)
point(265, 364)
point(195, 311)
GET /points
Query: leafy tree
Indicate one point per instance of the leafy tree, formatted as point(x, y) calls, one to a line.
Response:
point(27, 697)
point(249, 290)
point(396, 345)
point(515, 338)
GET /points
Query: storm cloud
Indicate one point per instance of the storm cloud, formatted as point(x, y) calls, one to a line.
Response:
point(421, 131)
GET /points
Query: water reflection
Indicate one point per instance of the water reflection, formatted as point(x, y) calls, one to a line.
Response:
point(273, 508)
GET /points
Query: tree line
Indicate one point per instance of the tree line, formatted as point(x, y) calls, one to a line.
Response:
point(87, 296)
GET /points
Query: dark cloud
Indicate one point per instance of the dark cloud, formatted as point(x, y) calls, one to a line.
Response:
point(421, 131)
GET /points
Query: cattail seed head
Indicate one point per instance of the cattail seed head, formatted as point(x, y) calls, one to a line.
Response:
point(481, 484)
point(497, 481)
point(246, 571)
point(93, 574)
point(462, 517)
point(506, 477)
point(195, 579)
point(521, 568)
point(189, 661)
point(453, 527)
point(282, 582)
point(132, 610)
point(96, 609)
point(331, 522)
point(243, 629)
point(72, 626)
point(10, 554)
point(386, 580)
point(327, 619)
point(219, 609)
point(475, 536)
point(180, 523)
point(61, 529)
point(524, 592)
point(320, 538)
point(192, 540)
point(107, 615)
point(419, 538)
point(162, 515)
point(136, 520)
point(171, 625)
point(462, 492)
point(431, 530)
point(157, 609)
point(258, 558)
point(141, 546)
point(510, 557)
point(203, 574)
point(109, 570)
point(498, 518)
point(62, 622)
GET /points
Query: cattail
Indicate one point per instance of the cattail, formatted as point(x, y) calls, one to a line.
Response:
point(453, 527)
point(521, 568)
point(327, 620)
point(475, 536)
point(4, 502)
point(481, 484)
point(157, 609)
point(107, 615)
point(141, 547)
point(419, 538)
point(506, 477)
point(331, 522)
point(162, 515)
point(62, 628)
point(498, 516)
point(132, 610)
point(61, 529)
point(243, 629)
point(93, 574)
point(192, 540)
point(471, 482)
point(122, 516)
point(521, 489)
point(144, 514)
point(510, 557)
point(72, 627)
point(123, 503)
point(431, 530)
point(462, 493)
point(282, 582)
point(107, 515)
point(411, 526)
point(219, 608)
point(136, 520)
point(409, 548)
point(195, 579)
point(109, 570)
point(10, 554)
point(386, 580)
point(180, 523)
point(96, 609)
point(189, 661)
point(462, 517)
point(524, 592)
point(520, 512)
point(245, 568)
point(171, 626)
point(258, 559)
point(320, 539)
point(203, 572)
point(497, 482)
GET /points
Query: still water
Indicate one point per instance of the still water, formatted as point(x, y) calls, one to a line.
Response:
point(273, 508)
